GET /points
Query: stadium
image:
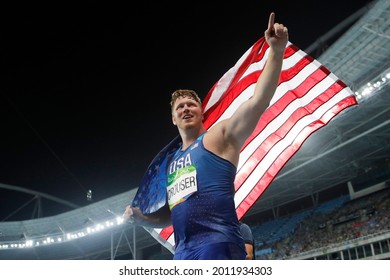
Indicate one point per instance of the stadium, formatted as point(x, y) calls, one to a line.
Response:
point(331, 201)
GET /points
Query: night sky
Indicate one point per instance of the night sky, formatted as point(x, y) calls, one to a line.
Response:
point(85, 89)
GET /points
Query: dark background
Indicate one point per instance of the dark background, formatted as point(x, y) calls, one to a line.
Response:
point(85, 88)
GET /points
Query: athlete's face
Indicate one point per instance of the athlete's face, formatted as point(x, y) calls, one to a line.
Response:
point(186, 113)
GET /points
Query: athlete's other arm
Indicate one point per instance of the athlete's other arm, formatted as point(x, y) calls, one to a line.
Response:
point(160, 218)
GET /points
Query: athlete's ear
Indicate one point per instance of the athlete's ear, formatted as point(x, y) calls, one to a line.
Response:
point(173, 120)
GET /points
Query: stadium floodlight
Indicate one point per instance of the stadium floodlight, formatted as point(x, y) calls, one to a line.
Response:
point(59, 238)
point(373, 86)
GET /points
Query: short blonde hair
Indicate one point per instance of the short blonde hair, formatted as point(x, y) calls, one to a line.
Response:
point(184, 93)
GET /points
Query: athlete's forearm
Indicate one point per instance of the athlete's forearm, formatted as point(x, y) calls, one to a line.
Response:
point(268, 81)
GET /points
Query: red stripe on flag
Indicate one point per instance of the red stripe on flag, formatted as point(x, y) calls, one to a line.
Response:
point(166, 232)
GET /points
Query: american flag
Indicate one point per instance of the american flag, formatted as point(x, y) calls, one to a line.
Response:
point(308, 96)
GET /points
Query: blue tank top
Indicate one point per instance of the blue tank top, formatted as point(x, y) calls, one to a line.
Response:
point(207, 215)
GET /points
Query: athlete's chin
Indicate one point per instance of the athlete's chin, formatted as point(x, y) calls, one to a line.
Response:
point(188, 125)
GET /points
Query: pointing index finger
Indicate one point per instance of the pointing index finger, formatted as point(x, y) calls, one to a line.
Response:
point(271, 20)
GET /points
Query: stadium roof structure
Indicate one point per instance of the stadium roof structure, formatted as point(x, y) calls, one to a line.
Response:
point(96, 231)
point(344, 150)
